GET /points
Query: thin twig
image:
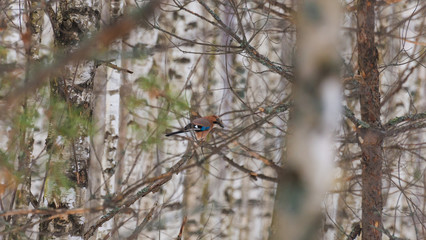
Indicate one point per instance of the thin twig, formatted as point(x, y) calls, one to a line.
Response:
point(108, 64)
point(142, 193)
point(49, 211)
point(179, 237)
point(251, 173)
point(251, 51)
point(139, 228)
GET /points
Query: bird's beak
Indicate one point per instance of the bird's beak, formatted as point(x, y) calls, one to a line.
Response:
point(220, 123)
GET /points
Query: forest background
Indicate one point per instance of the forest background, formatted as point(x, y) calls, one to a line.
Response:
point(323, 104)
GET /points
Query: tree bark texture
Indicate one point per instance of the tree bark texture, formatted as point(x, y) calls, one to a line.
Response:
point(370, 139)
point(109, 160)
point(71, 22)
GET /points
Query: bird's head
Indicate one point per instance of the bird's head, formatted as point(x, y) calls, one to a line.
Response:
point(216, 120)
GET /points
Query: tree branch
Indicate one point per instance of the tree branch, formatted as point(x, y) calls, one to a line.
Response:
point(142, 193)
point(247, 47)
point(179, 237)
point(251, 173)
point(413, 121)
point(139, 228)
point(351, 116)
point(409, 117)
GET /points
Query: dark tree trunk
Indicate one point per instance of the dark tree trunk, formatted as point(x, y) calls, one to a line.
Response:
point(370, 138)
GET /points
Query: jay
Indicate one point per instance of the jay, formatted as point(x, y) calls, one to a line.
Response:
point(200, 126)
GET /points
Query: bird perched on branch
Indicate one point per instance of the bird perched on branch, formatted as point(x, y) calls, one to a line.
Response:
point(200, 126)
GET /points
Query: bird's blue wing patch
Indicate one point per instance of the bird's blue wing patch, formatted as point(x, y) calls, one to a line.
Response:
point(205, 128)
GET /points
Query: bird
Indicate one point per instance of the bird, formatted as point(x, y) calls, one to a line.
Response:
point(200, 126)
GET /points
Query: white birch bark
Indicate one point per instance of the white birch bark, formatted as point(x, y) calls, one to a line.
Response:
point(109, 157)
point(314, 118)
point(74, 86)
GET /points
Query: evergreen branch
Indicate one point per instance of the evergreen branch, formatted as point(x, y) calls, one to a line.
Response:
point(409, 117)
point(351, 116)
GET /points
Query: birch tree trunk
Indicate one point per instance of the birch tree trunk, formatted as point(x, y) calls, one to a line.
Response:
point(233, 59)
point(71, 96)
point(109, 160)
point(26, 135)
point(313, 118)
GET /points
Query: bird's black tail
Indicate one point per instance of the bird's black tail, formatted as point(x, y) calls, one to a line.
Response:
point(173, 133)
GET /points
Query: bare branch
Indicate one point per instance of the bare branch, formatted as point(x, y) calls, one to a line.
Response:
point(179, 237)
point(247, 47)
point(142, 193)
point(139, 228)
